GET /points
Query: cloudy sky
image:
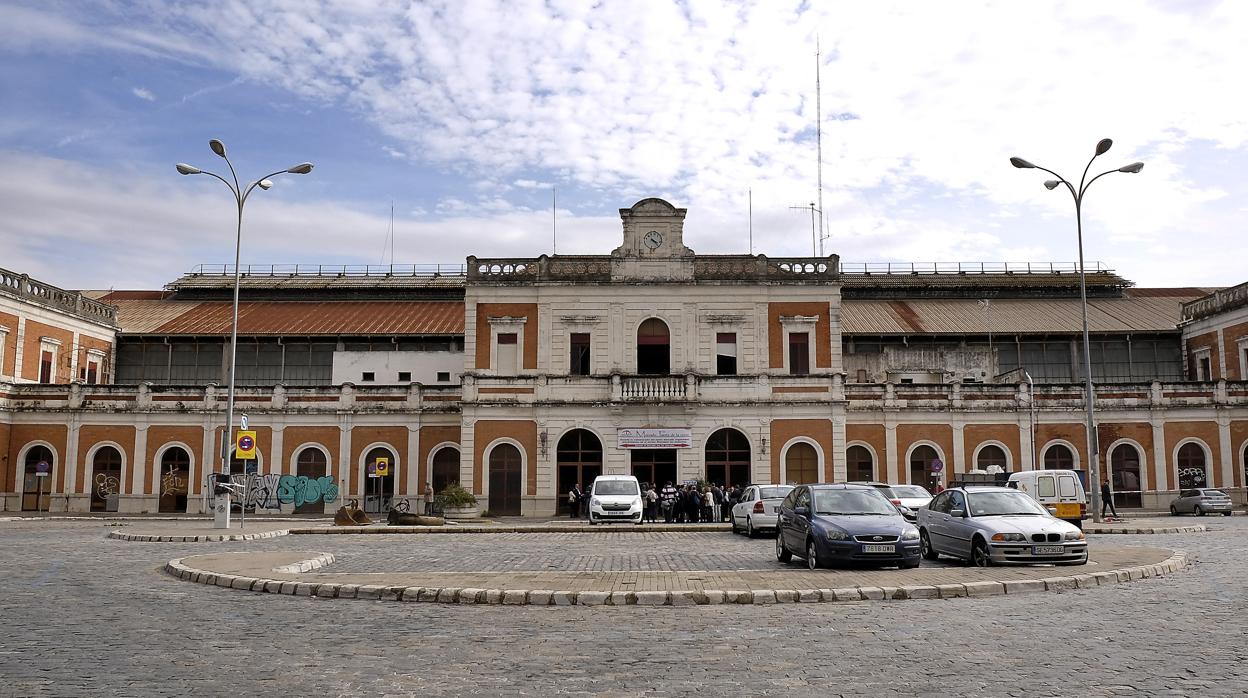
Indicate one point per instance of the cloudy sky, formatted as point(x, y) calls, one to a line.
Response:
point(466, 115)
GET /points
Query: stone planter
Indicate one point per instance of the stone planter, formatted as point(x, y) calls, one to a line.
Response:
point(461, 513)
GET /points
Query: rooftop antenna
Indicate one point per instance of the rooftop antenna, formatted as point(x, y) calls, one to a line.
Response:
point(819, 138)
point(814, 232)
point(554, 239)
point(751, 200)
point(389, 242)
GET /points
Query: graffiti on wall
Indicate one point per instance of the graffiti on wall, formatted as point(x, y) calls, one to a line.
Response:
point(107, 485)
point(272, 490)
point(1191, 477)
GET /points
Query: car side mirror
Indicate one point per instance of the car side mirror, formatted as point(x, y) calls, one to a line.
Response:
point(957, 513)
point(802, 511)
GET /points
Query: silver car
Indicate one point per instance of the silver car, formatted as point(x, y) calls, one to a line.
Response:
point(1202, 501)
point(757, 509)
point(997, 526)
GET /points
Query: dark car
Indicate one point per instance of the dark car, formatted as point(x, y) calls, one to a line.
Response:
point(843, 524)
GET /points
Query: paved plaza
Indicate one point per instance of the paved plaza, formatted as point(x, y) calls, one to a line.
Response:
point(88, 615)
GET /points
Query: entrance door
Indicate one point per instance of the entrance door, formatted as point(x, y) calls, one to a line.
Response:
point(728, 458)
point(379, 489)
point(175, 478)
point(505, 480)
point(445, 468)
point(311, 464)
point(105, 479)
point(31, 482)
point(921, 467)
point(1125, 471)
point(579, 456)
point(655, 465)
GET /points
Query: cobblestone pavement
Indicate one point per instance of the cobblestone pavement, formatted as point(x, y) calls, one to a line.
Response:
point(83, 615)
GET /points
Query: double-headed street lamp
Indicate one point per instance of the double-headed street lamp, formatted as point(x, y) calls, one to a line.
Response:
point(1094, 473)
point(240, 198)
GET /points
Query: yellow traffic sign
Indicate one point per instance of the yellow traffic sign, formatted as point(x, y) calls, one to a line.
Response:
point(245, 445)
point(381, 467)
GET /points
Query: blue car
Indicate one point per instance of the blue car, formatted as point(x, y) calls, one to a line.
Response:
point(842, 524)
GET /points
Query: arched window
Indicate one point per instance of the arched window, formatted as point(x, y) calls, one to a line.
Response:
point(989, 455)
point(312, 464)
point(728, 458)
point(1059, 457)
point(921, 466)
point(379, 489)
point(445, 468)
point(1192, 466)
point(579, 457)
point(39, 459)
point(105, 479)
point(654, 351)
point(860, 466)
point(175, 479)
point(1124, 469)
point(801, 463)
point(505, 478)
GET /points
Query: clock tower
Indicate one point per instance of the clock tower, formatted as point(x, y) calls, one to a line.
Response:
point(654, 246)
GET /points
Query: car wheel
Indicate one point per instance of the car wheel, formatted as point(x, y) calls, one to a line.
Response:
point(749, 528)
point(925, 546)
point(782, 553)
point(979, 554)
point(1174, 510)
point(1200, 511)
point(591, 520)
point(735, 531)
point(812, 556)
point(1228, 513)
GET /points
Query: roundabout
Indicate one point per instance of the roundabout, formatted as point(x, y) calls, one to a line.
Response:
point(630, 568)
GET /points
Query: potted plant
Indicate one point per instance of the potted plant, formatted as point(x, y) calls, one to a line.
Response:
point(458, 503)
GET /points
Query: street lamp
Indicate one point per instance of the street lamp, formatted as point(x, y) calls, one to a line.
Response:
point(240, 198)
point(1094, 471)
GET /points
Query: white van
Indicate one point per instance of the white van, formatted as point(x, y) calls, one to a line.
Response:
point(615, 498)
point(1060, 491)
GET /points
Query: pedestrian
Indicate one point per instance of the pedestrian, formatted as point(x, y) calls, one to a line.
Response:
point(428, 499)
point(708, 504)
point(651, 503)
point(584, 501)
point(719, 502)
point(668, 499)
point(1107, 499)
point(574, 501)
point(695, 504)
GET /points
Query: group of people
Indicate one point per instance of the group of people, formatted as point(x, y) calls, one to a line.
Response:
point(686, 503)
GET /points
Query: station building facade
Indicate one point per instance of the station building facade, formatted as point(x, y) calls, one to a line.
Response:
point(520, 377)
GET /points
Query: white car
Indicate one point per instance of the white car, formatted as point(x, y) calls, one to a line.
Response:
point(615, 498)
point(912, 497)
point(757, 509)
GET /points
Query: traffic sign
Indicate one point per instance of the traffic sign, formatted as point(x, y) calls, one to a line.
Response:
point(43, 468)
point(245, 445)
point(381, 467)
point(937, 466)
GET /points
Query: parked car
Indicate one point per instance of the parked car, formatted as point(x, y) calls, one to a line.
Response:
point(1061, 492)
point(891, 492)
point(757, 509)
point(615, 498)
point(997, 526)
point(1202, 501)
point(910, 497)
point(831, 524)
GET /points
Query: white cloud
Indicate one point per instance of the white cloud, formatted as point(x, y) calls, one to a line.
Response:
point(143, 93)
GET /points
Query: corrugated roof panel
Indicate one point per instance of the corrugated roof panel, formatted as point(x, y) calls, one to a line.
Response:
point(295, 318)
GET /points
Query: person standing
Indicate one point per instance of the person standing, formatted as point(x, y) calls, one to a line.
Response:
point(428, 499)
point(574, 501)
point(1107, 499)
point(652, 502)
point(668, 499)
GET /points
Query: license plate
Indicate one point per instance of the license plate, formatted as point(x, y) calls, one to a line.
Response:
point(1067, 511)
point(879, 548)
point(616, 513)
point(1047, 550)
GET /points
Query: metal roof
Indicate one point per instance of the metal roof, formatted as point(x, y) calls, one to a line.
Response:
point(291, 318)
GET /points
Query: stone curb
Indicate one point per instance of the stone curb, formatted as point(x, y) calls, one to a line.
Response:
point(202, 538)
point(544, 597)
point(1098, 531)
point(384, 530)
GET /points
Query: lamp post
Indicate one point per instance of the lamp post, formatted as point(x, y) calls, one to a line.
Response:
point(222, 519)
point(1094, 471)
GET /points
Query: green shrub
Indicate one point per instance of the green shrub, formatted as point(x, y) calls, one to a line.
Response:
point(455, 496)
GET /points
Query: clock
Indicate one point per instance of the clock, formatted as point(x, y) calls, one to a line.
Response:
point(653, 239)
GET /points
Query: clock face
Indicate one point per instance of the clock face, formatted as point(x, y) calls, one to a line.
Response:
point(653, 239)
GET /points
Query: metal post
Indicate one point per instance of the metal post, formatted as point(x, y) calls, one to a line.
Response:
point(1089, 397)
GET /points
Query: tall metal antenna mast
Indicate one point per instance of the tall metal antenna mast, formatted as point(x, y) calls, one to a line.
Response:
point(751, 200)
point(819, 137)
point(554, 238)
point(391, 232)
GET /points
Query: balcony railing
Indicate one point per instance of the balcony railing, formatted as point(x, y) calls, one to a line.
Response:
point(1217, 302)
point(657, 388)
point(72, 302)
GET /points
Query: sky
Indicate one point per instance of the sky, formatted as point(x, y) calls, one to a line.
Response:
point(470, 117)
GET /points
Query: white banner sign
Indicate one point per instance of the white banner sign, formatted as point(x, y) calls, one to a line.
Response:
point(655, 438)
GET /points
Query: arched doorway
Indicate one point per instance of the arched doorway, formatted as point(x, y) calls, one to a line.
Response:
point(39, 459)
point(505, 478)
point(859, 465)
point(175, 479)
point(312, 464)
point(1124, 470)
point(801, 464)
point(579, 458)
point(1059, 457)
point(990, 455)
point(445, 468)
point(379, 489)
point(728, 458)
point(1191, 462)
point(921, 466)
point(105, 479)
point(654, 351)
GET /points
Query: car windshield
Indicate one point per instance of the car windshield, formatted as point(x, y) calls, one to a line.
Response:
point(1214, 493)
point(774, 492)
point(840, 502)
point(609, 487)
point(1003, 504)
point(910, 492)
